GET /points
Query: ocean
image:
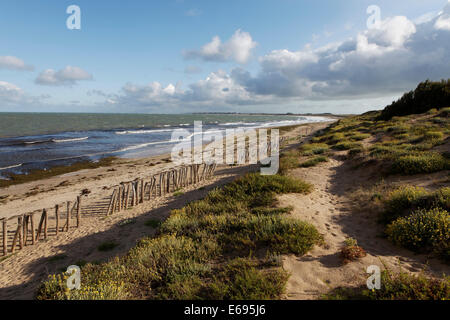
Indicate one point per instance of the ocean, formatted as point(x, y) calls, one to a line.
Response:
point(43, 140)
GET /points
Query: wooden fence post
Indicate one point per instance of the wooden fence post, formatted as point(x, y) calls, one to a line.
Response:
point(5, 237)
point(45, 223)
point(57, 218)
point(111, 203)
point(32, 228)
point(25, 229)
point(19, 229)
point(68, 216)
point(78, 211)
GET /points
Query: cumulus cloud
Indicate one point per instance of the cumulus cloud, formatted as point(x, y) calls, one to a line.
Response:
point(14, 63)
point(443, 22)
point(217, 90)
point(238, 48)
point(64, 77)
point(375, 65)
point(392, 57)
point(12, 95)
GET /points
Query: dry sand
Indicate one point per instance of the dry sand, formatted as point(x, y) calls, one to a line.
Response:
point(332, 209)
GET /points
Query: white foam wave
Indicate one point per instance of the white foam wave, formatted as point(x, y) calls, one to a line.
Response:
point(11, 167)
point(69, 140)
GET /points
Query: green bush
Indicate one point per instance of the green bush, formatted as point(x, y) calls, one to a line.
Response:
point(422, 163)
point(359, 136)
point(313, 162)
point(398, 286)
point(423, 231)
point(347, 145)
point(205, 249)
point(314, 149)
point(402, 201)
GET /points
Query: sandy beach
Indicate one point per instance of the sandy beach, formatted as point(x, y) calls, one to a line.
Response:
point(22, 272)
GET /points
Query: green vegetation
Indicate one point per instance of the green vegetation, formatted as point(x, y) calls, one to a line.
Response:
point(401, 201)
point(418, 219)
point(314, 161)
point(423, 230)
point(399, 286)
point(222, 247)
point(178, 193)
point(428, 95)
point(427, 162)
point(288, 160)
point(38, 174)
point(314, 149)
point(351, 251)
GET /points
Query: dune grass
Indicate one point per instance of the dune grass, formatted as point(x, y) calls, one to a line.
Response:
point(221, 247)
point(397, 286)
point(313, 161)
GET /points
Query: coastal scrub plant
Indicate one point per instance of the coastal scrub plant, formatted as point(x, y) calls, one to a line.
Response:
point(215, 248)
point(351, 251)
point(423, 231)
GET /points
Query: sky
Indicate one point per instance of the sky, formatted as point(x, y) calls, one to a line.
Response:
point(181, 56)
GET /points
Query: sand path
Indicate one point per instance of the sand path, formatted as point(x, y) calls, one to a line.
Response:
point(337, 217)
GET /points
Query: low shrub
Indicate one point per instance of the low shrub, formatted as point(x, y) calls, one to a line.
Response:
point(423, 231)
point(314, 149)
point(397, 286)
point(205, 250)
point(359, 136)
point(351, 251)
point(347, 145)
point(313, 162)
point(405, 199)
point(426, 162)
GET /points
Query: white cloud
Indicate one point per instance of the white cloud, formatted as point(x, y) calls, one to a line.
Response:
point(237, 48)
point(12, 95)
point(217, 90)
point(443, 22)
point(14, 63)
point(64, 77)
point(393, 57)
point(375, 66)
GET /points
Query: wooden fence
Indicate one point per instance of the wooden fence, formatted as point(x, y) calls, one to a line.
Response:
point(26, 232)
point(138, 191)
point(23, 230)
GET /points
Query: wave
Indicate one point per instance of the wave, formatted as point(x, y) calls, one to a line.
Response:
point(36, 142)
point(143, 131)
point(143, 145)
point(11, 167)
point(69, 140)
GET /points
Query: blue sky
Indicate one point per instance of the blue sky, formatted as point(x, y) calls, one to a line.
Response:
point(272, 56)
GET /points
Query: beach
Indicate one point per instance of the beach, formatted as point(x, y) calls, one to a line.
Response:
point(21, 273)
